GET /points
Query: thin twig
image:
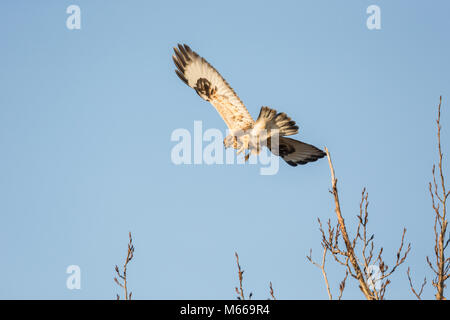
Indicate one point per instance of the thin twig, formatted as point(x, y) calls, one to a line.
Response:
point(123, 275)
point(342, 285)
point(417, 294)
point(322, 268)
point(239, 291)
point(271, 291)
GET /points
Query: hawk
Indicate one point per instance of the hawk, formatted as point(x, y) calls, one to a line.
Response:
point(246, 135)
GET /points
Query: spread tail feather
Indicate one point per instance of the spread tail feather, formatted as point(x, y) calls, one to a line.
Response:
point(267, 114)
point(294, 152)
point(277, 121)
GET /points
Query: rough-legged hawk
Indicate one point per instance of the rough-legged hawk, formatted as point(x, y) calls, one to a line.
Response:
point(270, 129)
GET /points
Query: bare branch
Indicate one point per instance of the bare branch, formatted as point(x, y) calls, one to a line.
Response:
point(322, 268)
point(358, 267)
point(342, 285)
point(440, 222)
point(123, 275)
point(417, 294)
point(239, 291)
point(350, 252)
point(271, 291)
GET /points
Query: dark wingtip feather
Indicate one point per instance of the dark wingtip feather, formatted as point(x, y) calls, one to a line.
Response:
point(181, 76)
point(188, 49)
point(180, 57)
point(178, 64)
point(184, 52)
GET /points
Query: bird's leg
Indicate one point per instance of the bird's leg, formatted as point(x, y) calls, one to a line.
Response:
point(246, 141)
point(258, 142)
point(244, 144)
point(235, 143)
point(240, 150)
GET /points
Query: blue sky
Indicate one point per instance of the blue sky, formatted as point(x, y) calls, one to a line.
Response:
point(86, 118)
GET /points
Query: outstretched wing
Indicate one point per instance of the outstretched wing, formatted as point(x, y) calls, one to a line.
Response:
point(197, 73)
point(294, 152)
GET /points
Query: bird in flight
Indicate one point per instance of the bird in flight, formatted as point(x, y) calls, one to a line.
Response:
point(246, 135)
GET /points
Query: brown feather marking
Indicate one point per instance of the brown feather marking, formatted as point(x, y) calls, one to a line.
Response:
point(232, 115)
